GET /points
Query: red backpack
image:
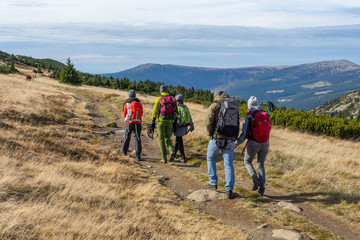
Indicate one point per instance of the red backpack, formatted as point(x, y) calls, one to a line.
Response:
point(167, 108)
point(261, 126)
point(135, 112)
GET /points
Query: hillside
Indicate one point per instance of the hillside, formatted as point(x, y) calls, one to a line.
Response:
point(303, 86)
point(62, 176)
point(47, 63)
point(347, 106)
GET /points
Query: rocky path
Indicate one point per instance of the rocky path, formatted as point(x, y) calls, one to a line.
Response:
point(181, 180)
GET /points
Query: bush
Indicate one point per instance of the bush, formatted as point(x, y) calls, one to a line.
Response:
point(317, 123)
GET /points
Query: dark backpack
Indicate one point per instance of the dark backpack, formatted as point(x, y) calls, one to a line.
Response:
point(228, 118)
point(183, 119)
point(167, 108)
point(261, 126)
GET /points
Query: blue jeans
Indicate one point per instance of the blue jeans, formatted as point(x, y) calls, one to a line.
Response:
point(261, 149)
point(228, 156)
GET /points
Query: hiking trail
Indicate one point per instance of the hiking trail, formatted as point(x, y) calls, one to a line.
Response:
point(180, 179)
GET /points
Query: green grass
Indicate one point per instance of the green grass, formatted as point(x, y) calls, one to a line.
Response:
point(107, 112)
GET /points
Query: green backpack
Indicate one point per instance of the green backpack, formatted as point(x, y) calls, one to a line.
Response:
point(183, 118)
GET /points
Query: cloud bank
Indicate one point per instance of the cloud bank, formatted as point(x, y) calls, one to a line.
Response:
point(113, 47)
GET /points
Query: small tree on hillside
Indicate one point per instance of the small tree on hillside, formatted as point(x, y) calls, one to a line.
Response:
point(69, 74)
point(38, 69)
point(12, 68)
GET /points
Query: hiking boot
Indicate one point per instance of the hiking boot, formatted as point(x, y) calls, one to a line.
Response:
point(171, 156)
point(124, 153)
point(183, 160)
point(163, 161)
point(230, 194)
point(256, 185)
point(211, 186)
point(261, 191)
point(138, 158)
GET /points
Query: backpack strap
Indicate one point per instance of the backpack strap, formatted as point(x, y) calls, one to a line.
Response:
point(242, 153)
point(253, 122)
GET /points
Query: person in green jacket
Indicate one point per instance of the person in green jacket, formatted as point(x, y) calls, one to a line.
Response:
point(213, 149)
point(165, 113)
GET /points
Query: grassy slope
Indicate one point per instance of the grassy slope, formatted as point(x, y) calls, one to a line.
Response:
point(55, 184)
point(82, 190)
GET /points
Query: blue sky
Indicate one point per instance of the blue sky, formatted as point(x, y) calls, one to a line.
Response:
point(114, 35)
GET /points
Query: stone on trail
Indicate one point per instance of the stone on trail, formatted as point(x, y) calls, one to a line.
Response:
point(289, 206)
point(205, 195)
point(286, 234)
point(263, 226)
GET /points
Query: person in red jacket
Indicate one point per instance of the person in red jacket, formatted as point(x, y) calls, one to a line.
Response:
point(132, 113)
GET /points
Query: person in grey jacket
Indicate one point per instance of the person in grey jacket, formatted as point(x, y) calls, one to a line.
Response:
point(180, 131)
point(253, 148)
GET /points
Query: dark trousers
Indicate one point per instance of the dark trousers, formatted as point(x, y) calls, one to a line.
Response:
point(179, 144)
point(129, 128)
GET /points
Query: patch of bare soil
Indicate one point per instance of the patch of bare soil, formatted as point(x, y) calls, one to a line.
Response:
point(177, 178)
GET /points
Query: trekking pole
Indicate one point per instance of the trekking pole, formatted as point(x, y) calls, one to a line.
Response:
point(242, 153)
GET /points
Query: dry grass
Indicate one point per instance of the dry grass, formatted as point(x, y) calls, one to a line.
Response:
point(324, 170)
point(54, 184)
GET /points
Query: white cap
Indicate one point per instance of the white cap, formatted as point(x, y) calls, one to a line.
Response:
point(252, 102)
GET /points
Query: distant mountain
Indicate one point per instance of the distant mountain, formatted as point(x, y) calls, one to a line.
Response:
point(303, 86)
point(197, 77)
point(346, 106)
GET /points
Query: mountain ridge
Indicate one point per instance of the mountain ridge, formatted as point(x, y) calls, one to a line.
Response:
point(303, 86)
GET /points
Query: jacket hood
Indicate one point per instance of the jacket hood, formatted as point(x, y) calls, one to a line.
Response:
point(221, 97)
point(253, 109)
point(129, 100)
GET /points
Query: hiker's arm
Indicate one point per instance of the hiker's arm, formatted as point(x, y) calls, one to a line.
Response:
point(125, 110)
point(192, 128)
point(210, 120)
point(156, 109)
point(245, 130)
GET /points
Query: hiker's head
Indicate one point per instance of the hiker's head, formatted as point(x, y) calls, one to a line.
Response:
point(179, 98)
point(217, 93)
point(132, 93)
point(163, 88)
point(252, 102)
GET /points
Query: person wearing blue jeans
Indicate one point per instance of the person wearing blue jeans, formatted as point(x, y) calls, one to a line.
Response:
point(219, 143)
point(228, 156)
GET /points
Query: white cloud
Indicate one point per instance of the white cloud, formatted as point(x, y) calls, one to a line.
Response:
point(264, 13)
point(113, 47)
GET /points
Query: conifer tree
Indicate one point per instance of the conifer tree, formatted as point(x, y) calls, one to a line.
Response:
point(69, 74)
point(12, 68)
point(38, 69)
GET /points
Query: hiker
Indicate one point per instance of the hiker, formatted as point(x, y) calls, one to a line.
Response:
point(164, 113)
point(222, 124)
point(182, 126)
point(256, 128)
point(132, 112)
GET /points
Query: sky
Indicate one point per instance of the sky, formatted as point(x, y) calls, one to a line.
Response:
point(114, 35)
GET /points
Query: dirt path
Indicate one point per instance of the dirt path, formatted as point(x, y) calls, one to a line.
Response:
point(178, 178)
